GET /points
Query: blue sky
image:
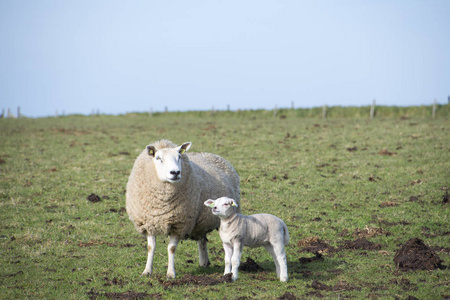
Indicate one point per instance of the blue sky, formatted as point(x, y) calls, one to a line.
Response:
point(128, 56)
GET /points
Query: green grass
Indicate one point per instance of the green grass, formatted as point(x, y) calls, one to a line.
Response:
point(323, 177)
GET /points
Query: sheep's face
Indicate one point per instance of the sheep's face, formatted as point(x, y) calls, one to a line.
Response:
point(223, 207)
point(168, 162)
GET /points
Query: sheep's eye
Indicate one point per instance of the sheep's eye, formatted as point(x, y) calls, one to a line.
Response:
point(159, 158)
point(226, 204)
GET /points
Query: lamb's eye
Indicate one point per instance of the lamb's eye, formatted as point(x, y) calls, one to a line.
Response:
point(226, 204)
point(159, 158)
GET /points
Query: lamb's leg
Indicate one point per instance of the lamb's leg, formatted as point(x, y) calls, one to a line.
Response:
point(171, 249)
point(203, 252)
point(270, 249)
point(282, 261)
point(151, 246)
point(228, 253)
point(236, 259)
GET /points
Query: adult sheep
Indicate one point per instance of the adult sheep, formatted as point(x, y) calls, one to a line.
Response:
point(165, 194)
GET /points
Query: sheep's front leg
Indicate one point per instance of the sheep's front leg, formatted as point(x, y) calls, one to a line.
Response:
point(171, 249)
point(151, 246)
point(228, 248)
point(203, 252)
point(236, 259)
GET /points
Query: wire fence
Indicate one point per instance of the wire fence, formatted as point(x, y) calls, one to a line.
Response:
point(370, 112)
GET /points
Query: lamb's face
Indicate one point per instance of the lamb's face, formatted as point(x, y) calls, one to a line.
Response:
point(168, 162)
point(222, 207)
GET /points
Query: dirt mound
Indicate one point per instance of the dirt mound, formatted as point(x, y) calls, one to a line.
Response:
point(360, 244)
point(385, 151)
point(445, 198)
point(369, 232)
point(306, 260)
point(195, 280)
point(93, 198)
point(129, 295)
point(415, 255)
point(314, 245)
point(287, 296)
point(317, 285)
point(340, 286)
point(250, 266)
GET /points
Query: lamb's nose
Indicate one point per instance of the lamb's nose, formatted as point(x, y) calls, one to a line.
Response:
point(175, 173)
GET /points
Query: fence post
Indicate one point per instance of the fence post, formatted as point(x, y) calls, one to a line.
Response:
point(292, 105)
point(150, 113)
point(275, 111)
point(433, 114)
point(166, 109)
point(372, 109)
point(324, 112)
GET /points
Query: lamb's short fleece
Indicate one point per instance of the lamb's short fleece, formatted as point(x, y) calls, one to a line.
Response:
point(260, 230)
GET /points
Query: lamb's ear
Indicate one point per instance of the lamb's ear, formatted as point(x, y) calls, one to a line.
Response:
point(234, 203)
point(151, 150)
point(210, 203)
point(185, 147)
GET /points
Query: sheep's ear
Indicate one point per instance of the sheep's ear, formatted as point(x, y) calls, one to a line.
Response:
point(210, 203)
point(234, 203)
point(151, 150)
point(185, 147)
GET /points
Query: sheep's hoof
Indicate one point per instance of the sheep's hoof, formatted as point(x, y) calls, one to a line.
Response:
point(205, 265)
point(146, 273)
point(170, 275)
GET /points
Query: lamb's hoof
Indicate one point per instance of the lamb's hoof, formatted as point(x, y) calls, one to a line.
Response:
point(146, 273)
point(284, 279)
point(170, 275)
point(205, 265)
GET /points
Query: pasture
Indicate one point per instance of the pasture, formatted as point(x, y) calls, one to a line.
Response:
point(351, 191)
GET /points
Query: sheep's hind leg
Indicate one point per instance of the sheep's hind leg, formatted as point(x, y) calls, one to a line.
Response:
point(203, 252)
point(270, 249)
point(171, 249)
point(151, 245)
point(282, 261)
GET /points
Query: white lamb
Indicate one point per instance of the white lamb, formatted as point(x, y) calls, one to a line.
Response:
point(260, 230)
point(165, 194)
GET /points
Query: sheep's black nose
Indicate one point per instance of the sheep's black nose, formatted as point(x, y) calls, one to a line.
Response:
point(175, 172)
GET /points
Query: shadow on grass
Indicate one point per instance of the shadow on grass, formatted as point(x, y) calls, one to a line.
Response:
point(315, 267)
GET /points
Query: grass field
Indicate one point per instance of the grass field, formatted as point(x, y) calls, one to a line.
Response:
point(352, 192)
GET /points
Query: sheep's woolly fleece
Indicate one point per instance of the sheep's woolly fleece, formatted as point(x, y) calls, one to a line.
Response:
point(161, 208)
